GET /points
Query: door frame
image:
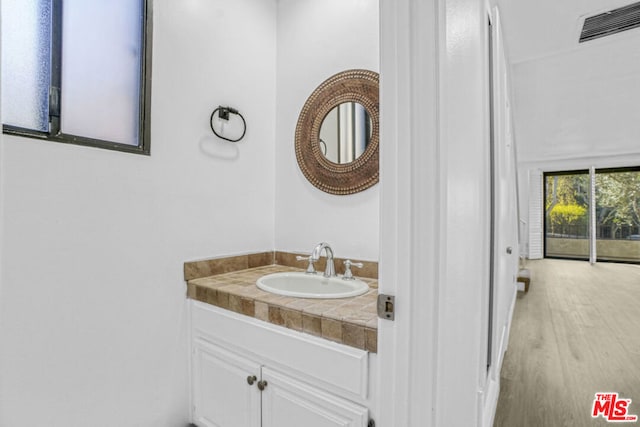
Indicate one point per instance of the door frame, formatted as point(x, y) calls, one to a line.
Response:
point(409, 79)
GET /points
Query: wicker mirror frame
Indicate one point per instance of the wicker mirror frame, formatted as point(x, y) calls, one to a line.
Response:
point(361, 86)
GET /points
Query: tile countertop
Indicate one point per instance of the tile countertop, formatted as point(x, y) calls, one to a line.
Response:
point(350, 321)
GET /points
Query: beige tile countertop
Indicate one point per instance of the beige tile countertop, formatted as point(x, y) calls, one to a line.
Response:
point(350, 321)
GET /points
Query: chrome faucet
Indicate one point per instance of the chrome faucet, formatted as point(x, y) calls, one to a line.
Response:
point(330, 270)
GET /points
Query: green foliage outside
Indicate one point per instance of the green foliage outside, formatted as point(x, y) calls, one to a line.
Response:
point(567, 204)
point(617, 201)
point(568, 215)
point(618, 198)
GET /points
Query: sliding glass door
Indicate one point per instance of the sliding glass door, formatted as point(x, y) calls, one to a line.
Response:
point(566, 219)
point(618, 215)
point(616, 227)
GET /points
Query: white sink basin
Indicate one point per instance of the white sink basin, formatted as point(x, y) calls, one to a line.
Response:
point(305, 285)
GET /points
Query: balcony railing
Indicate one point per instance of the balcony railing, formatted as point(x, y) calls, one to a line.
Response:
point(604, 232)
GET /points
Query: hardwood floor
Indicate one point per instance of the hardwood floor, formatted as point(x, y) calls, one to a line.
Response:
point(576, 332)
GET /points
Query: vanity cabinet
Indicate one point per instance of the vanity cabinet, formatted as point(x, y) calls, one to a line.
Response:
point(221, 394)
point(248, 374)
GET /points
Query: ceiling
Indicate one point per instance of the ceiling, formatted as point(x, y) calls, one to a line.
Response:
point(571, 100)
point(539, 28)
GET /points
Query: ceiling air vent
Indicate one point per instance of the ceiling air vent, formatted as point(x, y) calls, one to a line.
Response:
point(612, 22)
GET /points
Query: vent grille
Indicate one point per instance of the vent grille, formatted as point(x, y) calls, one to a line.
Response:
point(612, 22)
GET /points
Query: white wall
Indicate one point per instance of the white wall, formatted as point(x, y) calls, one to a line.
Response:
point(93, 299)
point(561, 116)
point(578, 109)
point(1, 192)
point(317, 39)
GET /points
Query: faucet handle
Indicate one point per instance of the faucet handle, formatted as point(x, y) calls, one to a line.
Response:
point(310, 268)
point(348, 275)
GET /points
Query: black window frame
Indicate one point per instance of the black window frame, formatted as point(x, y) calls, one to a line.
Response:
point(544, 211)
point(579, 172)
point(144, 119)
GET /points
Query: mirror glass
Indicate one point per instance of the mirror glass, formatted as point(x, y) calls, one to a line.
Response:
point(345, 132)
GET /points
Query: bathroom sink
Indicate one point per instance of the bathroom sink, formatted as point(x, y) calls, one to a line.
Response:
point(305, 285)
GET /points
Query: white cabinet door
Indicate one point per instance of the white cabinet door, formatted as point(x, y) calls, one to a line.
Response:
point(289, 403)
point(222, 394)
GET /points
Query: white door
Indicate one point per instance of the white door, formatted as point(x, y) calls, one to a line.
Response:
point(222, 394)
point(506, 213)
point(289, 403)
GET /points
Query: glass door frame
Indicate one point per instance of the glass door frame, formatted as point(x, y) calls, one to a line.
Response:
point(544, 211)
point(592, 172)
point(612, 170)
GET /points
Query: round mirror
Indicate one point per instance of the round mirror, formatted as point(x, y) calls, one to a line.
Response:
point(337, 135)
point(345, 132)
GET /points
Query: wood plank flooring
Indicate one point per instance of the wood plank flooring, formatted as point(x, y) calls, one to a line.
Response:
point(575, 333)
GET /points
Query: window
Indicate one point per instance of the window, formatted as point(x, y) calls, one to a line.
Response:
point(566, 214)
point(78, 71)
point(612, 233)
point(617, 222)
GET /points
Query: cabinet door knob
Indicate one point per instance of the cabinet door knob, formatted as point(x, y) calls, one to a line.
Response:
point(251, 379)
point(262, 385)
